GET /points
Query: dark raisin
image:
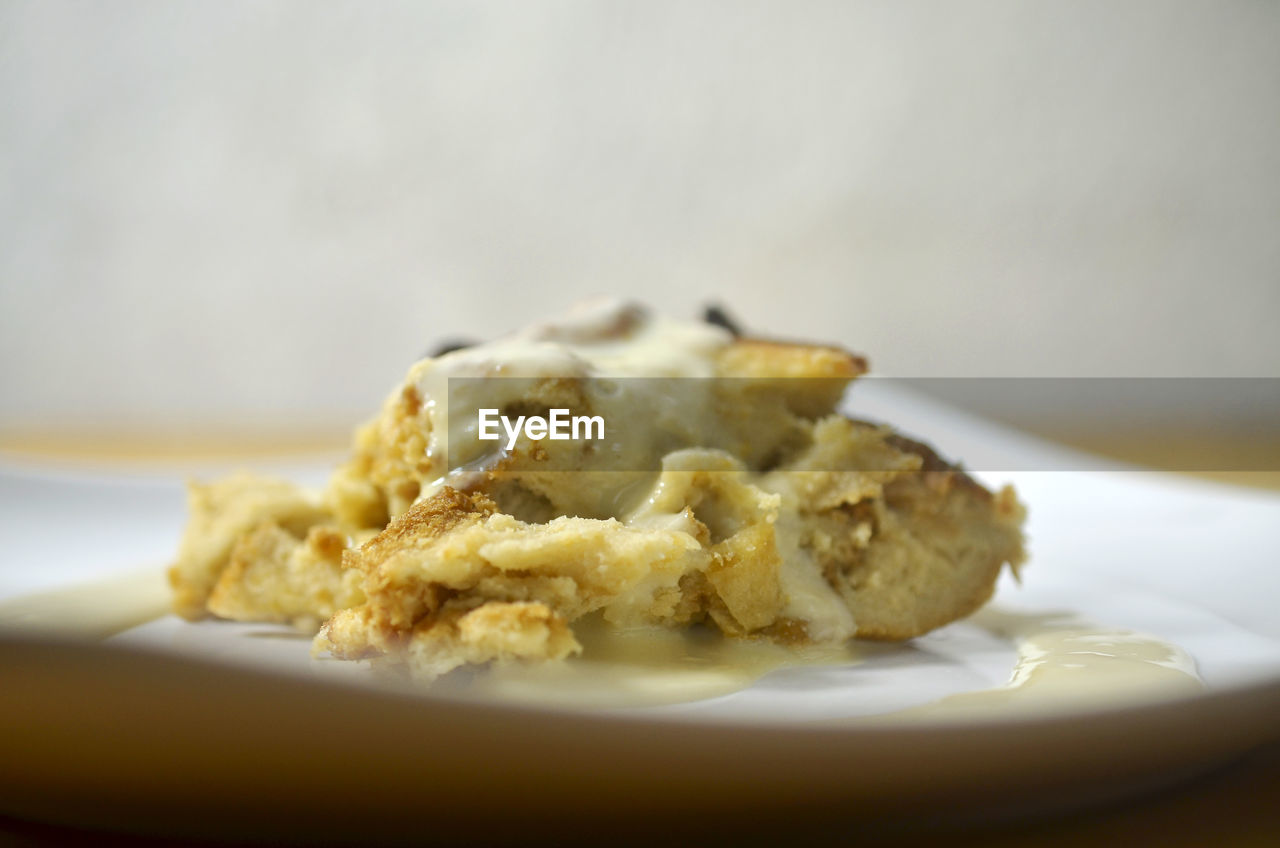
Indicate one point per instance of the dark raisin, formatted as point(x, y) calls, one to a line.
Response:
point(716, 314)
point(449, 346)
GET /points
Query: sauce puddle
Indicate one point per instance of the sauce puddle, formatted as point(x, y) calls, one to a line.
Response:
point(91, 610)
point(643, 667)
point(1064, 662)
point(1067, 663)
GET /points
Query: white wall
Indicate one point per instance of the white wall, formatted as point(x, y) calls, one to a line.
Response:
point(214, 212)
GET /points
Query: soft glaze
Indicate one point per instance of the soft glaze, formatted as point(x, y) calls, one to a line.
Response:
point(1066, 663)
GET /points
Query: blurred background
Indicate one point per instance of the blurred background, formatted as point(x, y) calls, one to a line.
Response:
point(248, 218)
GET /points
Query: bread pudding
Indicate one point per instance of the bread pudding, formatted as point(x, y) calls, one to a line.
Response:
point(719, 486)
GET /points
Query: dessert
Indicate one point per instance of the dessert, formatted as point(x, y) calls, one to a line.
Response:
point(724, 488)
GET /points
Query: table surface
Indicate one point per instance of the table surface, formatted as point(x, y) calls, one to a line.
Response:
point(1236, 805)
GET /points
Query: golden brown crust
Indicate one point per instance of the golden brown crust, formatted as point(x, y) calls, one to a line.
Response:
point(424, 522)
point(773, 359)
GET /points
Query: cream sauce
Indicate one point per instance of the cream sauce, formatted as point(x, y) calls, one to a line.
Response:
point(91, 610)
point(642, 667)
point(1066, 663)
point(599, 339)
point(808, 596)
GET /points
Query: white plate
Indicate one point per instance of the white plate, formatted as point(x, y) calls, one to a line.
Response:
point(214, 717)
